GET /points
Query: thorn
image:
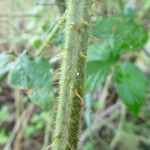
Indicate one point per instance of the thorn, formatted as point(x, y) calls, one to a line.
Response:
point(85, 23)
point(76, 28)
point(72, 25)
point(78, 95)
point(56, 137)
point(82, 55)
point(83, 106)
point(94, 15)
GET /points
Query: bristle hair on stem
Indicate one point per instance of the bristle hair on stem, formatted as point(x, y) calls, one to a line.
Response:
point(71, 93)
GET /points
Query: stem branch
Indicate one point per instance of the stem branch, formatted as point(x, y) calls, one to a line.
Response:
point(51, 35)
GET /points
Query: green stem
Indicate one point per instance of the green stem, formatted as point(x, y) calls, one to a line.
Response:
point(47, 133)
point(72, 77)
point(51, 35)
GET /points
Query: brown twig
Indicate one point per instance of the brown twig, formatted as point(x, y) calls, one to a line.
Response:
point(103, 96)
point(98, 119)
point(25, 116)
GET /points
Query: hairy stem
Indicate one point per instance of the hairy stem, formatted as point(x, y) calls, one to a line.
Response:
point(72, 75)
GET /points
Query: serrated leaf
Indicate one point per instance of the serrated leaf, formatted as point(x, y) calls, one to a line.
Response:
point(132, 86)
point(29, 72)
point(129, 36)
point(126, 35)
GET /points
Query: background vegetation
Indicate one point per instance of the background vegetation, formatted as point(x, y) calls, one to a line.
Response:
point(116, 111)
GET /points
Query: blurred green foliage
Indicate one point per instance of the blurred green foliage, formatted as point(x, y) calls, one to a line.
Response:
point(116, 31)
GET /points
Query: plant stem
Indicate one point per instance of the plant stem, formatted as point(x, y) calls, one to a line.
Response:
point(18, 103)
point(47, 133)
point(72, 75)
point(120, 126)
point(51, 35)
point(19, 107)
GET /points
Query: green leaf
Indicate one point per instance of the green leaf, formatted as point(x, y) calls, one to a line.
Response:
point(132, 86)
point(126, 35)
point(29, 72)
point(100, 61)
point(97, 72)
point(97, 52)
point(5, 63)
point(42, 97)
point(4, 137)
point(4, 114)
point(102, 28)
point(4, 58)
point(29, 131)
point(33, 73)
point(129, 36)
